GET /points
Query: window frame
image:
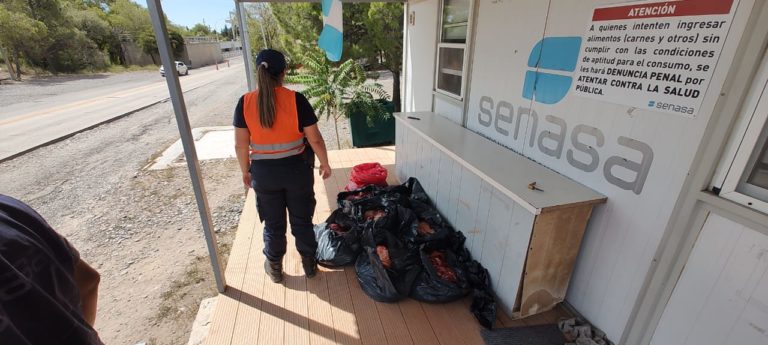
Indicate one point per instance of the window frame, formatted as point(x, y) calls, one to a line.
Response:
point(745, 144)
point(464, 46)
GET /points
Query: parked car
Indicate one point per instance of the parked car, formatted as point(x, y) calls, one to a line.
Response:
point(181, 69)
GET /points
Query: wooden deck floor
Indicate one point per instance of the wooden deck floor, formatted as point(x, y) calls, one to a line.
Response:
point(330, 308)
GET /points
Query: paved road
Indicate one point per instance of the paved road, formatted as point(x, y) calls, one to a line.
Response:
point(32, 124)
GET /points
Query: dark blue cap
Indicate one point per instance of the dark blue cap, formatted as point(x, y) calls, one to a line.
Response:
point(273, 59)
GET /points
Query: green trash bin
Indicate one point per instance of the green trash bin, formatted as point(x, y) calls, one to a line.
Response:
point(380, 133)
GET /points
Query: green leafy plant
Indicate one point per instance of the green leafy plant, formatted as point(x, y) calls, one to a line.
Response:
point(337, 91)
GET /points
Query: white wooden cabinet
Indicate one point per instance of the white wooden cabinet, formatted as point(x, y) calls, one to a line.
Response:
point(527, 239)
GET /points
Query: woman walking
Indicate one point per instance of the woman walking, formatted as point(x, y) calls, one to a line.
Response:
point(276, 139)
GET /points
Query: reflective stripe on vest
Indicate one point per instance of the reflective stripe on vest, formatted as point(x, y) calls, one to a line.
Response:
point(284, 138)
point(277, 147)
point(277, 155)
point(275, 151)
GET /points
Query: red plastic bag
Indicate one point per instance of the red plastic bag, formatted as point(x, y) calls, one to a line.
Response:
point(367, 174)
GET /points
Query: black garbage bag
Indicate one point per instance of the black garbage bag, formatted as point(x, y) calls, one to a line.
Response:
point(417, 191)
point(386, 263)
point(483, 308)
point(348, 200)
point(397, 195)
point(338, 240)
point(441, 280)
point(377, 214)
point(374, 278)
point(385, 215)
point(477, 275)
point(430, 230)
point(457, 246)
point(483, 304)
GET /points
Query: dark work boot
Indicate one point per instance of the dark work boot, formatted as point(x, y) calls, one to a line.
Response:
point(310, 266)
point(274, 270)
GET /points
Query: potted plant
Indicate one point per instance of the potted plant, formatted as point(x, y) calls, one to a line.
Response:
point(339, 91)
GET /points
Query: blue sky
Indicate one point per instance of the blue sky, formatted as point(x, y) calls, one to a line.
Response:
point(190, 12)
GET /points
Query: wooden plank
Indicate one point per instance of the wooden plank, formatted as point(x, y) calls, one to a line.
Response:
point(555, 243)
point(466, 208)
point(443, 186)
point(319, 310)
point(433, 167)
point(222, 323)
point(400, 157)
point(342, 310)
point(507, 283)
point(423, 163)
point(463, 322)
point(368, 321)
point(412, 146)
point(393, 322)
point(272, 325)
point(296, 323)
point(417, 322)
point(443, 324)
point(248, 315)
point(500, 214)
point(453, 197)
point(481, 221)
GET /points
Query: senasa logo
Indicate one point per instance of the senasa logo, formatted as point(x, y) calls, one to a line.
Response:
point(551, 54)
point(671, 106)
point(550, 133)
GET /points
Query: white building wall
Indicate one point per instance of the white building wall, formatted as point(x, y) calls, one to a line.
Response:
point(421, 43)
point(624, 234)
point(722, 294)
point(449, 108)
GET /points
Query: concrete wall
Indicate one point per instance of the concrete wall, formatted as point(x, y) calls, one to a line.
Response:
point(202, 54)
point(230, 45)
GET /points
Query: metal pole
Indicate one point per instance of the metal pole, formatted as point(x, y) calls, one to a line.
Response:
point(246, 43)
point(185, 131)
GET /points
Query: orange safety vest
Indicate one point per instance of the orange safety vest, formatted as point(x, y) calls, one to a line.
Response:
point(284, 138)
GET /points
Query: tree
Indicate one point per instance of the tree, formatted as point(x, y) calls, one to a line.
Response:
point(18, 31)
point(227, 33)
point(338, 91)
point(128, 18)
point(384, 23)
point(371, 31)
point(263, 28)
point(148, 44)
point(300, 25)
point(92, 21)
point(200, 29)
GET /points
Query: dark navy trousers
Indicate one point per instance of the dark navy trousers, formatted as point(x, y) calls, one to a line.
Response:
point(280, 185)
